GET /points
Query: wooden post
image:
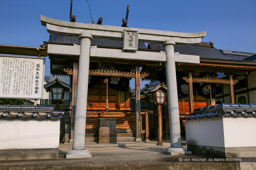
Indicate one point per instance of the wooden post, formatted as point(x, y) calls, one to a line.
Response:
point(167, 124)
point(74, 89)
point(191, 95)
point(137, 94)
point(118, 99)
point(160, 125)
point(147, 127)
point(223, 93)
point(141, 123)
point(35, 102)
point(212, 100)
point(232, 94)
point(107, 107)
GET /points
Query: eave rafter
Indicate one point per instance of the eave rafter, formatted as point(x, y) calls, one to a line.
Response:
point(209, 80)
point(109, 73)
point(221, 66)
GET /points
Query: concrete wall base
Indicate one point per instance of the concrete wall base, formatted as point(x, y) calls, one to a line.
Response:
point(207, 150)
point(241, 152)
point(76, 154)
point(28, 154)
point(223, 151)
point(177, 151)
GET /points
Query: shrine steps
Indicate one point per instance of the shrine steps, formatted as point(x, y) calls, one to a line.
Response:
point(120, 136)
point(124, 135)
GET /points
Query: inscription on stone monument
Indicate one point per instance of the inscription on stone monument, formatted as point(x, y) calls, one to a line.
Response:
point(130, 40)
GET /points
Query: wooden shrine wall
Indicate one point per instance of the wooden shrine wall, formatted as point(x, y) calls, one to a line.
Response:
point(119, 108)
point(117, 99)
point(125, 123)
point(199, 102)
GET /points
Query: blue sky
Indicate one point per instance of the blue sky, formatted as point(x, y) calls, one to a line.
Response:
point(230, 24)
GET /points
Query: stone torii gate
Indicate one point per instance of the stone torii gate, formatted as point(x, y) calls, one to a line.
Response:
point(131, 37)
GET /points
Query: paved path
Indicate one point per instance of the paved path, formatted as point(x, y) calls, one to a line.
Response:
point(120, 156)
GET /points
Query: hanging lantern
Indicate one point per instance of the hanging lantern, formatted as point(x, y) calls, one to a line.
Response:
point(160, 97)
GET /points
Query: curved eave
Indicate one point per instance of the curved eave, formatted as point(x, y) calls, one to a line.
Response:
point(215, 66)
point(83, 26)
point(229, 62)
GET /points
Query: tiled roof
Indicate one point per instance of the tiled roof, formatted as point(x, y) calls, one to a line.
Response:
point(152, 87)
point(234, 57)
point(204, 50)
point(11, 112)
point(67, 39)
point(251, 58)
point(224, 110)
point(57, 81)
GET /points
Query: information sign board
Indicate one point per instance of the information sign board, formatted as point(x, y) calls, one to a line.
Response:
point(21, 77)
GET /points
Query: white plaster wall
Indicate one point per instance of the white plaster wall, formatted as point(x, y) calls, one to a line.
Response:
point(239, 132)
point(252, 84)
point(251, 79)
point(226, 88)
point(32, 134)
point(227, 99)
point(252, 95)
point(226, 91)
point(205, 132)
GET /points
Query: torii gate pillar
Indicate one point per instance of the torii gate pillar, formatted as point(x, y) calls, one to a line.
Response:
point(78, 150)
point(173, 105)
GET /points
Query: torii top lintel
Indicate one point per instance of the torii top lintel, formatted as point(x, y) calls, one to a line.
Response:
point(64, 27)
point(130, 37)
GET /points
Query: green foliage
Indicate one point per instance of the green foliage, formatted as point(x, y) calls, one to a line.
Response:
point(12, 101)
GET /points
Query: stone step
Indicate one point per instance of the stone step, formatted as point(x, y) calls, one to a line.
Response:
point(119, 139)
point(91, 139)
point(117, 134)
point(124, 130)
point(91, 135)
point(125, 139)
point(124, 134)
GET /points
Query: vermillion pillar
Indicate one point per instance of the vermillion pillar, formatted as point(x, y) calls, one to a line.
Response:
point(78, 150)
point(191, 95)
point(160, 125)
point(232, 93)
point(74, 90)
point(137, 107)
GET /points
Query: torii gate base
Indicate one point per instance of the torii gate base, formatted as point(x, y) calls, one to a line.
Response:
point(73, 154)
point(131, 38)
point(177, 151)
